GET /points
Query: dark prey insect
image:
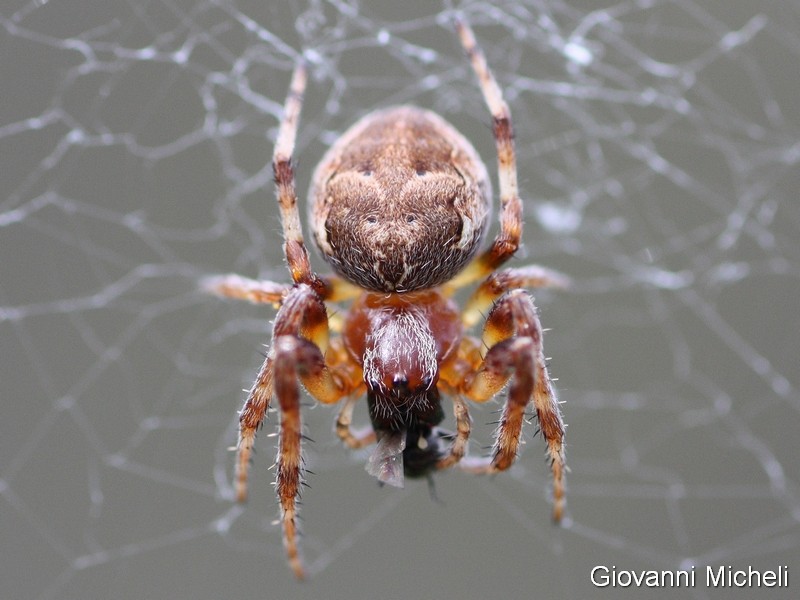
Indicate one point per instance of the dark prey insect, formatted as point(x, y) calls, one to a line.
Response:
point(399, 207)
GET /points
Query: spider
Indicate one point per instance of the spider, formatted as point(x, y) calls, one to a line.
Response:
point(399, 207)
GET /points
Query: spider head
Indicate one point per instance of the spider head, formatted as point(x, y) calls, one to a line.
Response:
point(400, 366)
point(402, 378)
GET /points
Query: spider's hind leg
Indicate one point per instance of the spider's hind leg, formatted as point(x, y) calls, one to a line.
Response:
point(294, 247)
point(508, 238)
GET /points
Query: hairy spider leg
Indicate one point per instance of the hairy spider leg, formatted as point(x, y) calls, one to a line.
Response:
point(507, 240)
point(297, 353)
point(513, 335)
point(293, 246)
point(242, 288)
point(262, 291)
point(500, 282)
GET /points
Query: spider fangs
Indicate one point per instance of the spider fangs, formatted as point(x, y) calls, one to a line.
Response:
point(399, 207)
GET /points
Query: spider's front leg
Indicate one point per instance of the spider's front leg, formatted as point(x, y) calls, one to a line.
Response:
point(300, 336)
point(513, 335)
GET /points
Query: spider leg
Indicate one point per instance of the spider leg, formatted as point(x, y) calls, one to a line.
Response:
point(463, 428)
point(302, 314)
point(500, 282)
point(513, 335)
point(242, 288)
point(300, 337)
point(508, 239)
point(259, 291)
point(294, 247)
point(344, 429)
point(250, 419)
point(293, 357)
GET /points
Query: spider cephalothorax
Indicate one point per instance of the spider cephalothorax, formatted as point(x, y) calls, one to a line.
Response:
point(399, 207)
point(400, 341)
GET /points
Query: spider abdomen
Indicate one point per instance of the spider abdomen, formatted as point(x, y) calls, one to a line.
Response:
point(400, 202)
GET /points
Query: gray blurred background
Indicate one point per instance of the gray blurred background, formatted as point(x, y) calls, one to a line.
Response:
point(658, 146)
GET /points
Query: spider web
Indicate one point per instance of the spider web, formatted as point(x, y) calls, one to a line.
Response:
point(658, 150)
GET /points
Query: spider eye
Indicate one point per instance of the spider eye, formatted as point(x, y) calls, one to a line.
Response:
point(400, 382)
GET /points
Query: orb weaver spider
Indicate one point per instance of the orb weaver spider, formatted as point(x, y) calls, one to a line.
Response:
point(399, 208)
